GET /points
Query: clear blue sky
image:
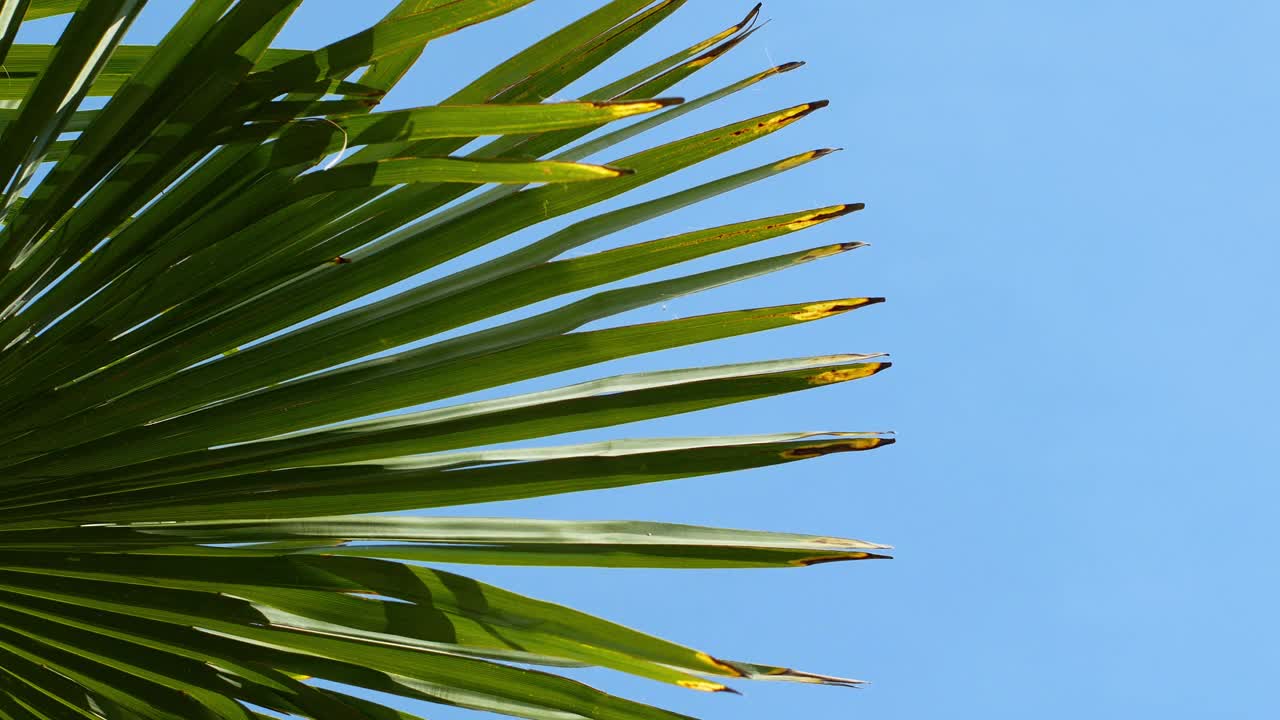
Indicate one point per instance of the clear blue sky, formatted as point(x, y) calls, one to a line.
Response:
point(1073, 212)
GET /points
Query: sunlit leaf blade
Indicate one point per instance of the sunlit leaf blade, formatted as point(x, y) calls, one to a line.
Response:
point(397, 171)
point(488, 541)
point(483, 531)
point(395, 33)
point(431, 481)
point(440, 121)
point(46, 8)
point(25, 63)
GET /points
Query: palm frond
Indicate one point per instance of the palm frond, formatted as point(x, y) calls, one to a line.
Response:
point(198, 428)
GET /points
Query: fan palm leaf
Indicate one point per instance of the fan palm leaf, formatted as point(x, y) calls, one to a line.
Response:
point(199, 427)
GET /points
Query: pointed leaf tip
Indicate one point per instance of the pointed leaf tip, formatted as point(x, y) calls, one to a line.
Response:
point(824, 214)
point(706, 686)
point(830, 377)
point(845, 209)
point(817, 311)
point(838, 557)
point(752, 671)
point(813, 450)
point(800, 111)
point(821, 252)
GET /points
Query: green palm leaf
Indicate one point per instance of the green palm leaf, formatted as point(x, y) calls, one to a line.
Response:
point(197, 432)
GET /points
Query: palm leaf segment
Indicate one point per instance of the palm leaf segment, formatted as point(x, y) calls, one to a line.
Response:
point(185, 459)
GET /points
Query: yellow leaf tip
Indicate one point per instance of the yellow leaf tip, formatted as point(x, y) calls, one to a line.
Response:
point(846, 374)
point(817, 311)
point(821, 252)
point(802, 158)
point(804, 452)
point(823, 214)
point(704, 686)
point(840, 210)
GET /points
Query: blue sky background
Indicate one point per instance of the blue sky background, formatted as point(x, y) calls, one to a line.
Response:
point(1072, 210)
